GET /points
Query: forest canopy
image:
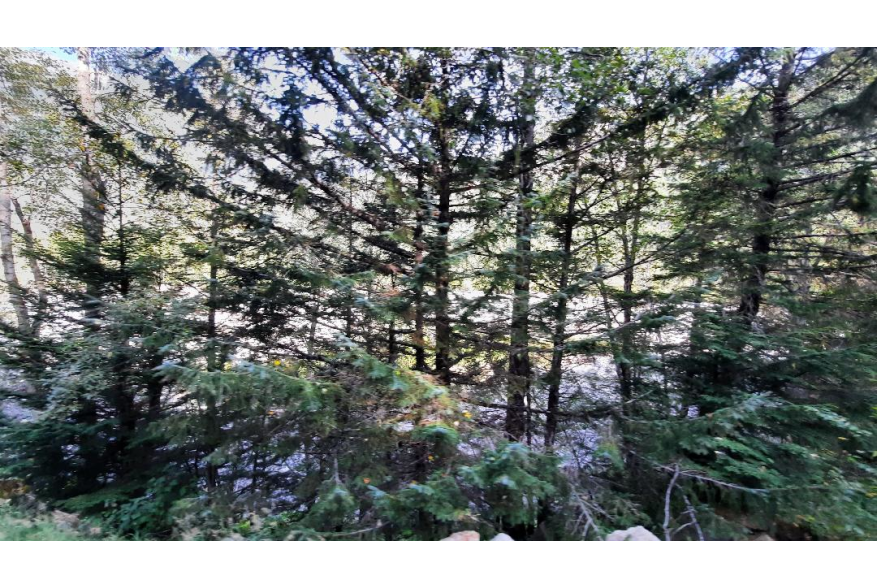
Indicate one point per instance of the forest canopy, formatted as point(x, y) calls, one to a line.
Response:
point(272, 293)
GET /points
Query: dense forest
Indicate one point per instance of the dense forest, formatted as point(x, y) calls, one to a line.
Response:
point(398, 293)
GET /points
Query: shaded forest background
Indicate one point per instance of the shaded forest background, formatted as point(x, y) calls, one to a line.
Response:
point(383, 293)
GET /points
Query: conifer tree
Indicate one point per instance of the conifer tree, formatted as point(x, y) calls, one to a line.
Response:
point(393, 293)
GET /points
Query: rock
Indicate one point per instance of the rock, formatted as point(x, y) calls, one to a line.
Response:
point(10, 488)
point(467, 536)
point(64, 520)
point(15, 411)
point(635, 534)
point(502, 538)
point(761, 538)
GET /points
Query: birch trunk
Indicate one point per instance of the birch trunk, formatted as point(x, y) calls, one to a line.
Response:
point(7, 256)
point(39, 280)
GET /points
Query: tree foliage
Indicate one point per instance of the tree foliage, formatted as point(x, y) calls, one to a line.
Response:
point(393, 293)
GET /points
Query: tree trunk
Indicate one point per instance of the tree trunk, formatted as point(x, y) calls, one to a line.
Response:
point(754, 285)
point(519, 353)
point(213, 356)
point(154, 387)
point(555, 373)
point(629, 246)
point(92, 212)
point(38, 277)
point(7, 256)
point(312, 330)
point(93, 192)
point(442, 265)
point(392, 346)
point(418, 340)
point(348, 312)
point(127, 412)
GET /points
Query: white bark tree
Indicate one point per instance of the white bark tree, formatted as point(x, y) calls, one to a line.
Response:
point(7, 254)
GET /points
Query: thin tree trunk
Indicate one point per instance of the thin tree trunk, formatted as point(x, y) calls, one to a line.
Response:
point(213, 356)
point(38, 277)
point(154, 387)
point(629, 245)
point(418, 340)
point(315, 316)
point(7, 256)
point(753, 286)
point(392, 348)
point(519, 353)
point(126, 408)
point(555, 373)
point(124, 275)
point(442, 265)
point(442, 284)
point(93, 192)
point(348, 321)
